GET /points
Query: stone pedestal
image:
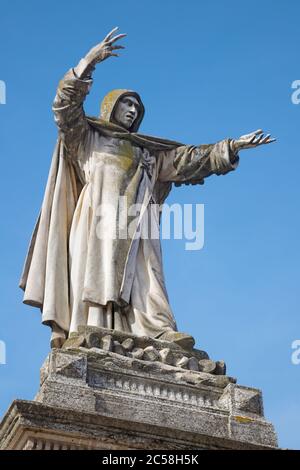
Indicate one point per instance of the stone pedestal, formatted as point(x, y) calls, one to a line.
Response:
point(106, 391)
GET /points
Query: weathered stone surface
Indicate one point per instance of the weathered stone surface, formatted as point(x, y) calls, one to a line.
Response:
point(44, 371)
point(137, 353)
point(207, 365)
point(220, 368)
point(118, 348)
point(93, 340)
point(128, 344)
point(107, 343)
point(74, 342)
point(129, 363)
point(193, 364)
point(111, 401)
point(167, 357)
point(131, 342)
point(185, 341)
point(183, 362)
point(151, 354)
point(243, 400)
point(30, 425)
point(68, 365)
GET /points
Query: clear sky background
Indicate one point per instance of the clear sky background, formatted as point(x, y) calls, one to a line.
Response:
point(206, 71)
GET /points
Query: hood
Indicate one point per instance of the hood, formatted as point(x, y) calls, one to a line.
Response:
point(110, 102)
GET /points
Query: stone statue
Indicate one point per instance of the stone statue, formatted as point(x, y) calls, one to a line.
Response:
point(76, 271)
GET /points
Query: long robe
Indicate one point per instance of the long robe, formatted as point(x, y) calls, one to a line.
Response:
point(77, 271)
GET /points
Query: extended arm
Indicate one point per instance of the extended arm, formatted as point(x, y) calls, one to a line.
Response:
point(73, 88)
point(191, 164)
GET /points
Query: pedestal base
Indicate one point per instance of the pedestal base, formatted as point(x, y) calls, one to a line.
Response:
point(97, 399)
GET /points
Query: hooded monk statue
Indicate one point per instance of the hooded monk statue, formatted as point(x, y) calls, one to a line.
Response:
point(77, 271)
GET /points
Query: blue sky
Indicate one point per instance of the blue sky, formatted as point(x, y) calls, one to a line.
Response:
point(206, 71)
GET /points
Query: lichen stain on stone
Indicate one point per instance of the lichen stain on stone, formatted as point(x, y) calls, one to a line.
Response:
point(109, 102)
point(243, 419)
point(126, 156)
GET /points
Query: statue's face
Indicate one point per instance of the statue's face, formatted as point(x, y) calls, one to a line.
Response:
point(126, 111)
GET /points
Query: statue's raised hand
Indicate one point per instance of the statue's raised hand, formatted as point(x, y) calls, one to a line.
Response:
point(105, 49)
point(248, 141)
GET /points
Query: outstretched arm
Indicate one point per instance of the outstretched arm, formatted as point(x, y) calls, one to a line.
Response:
point(191, 164)
point(73, 88)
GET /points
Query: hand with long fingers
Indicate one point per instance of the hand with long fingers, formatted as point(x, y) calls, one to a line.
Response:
point(105, 48)
point(248, 141)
